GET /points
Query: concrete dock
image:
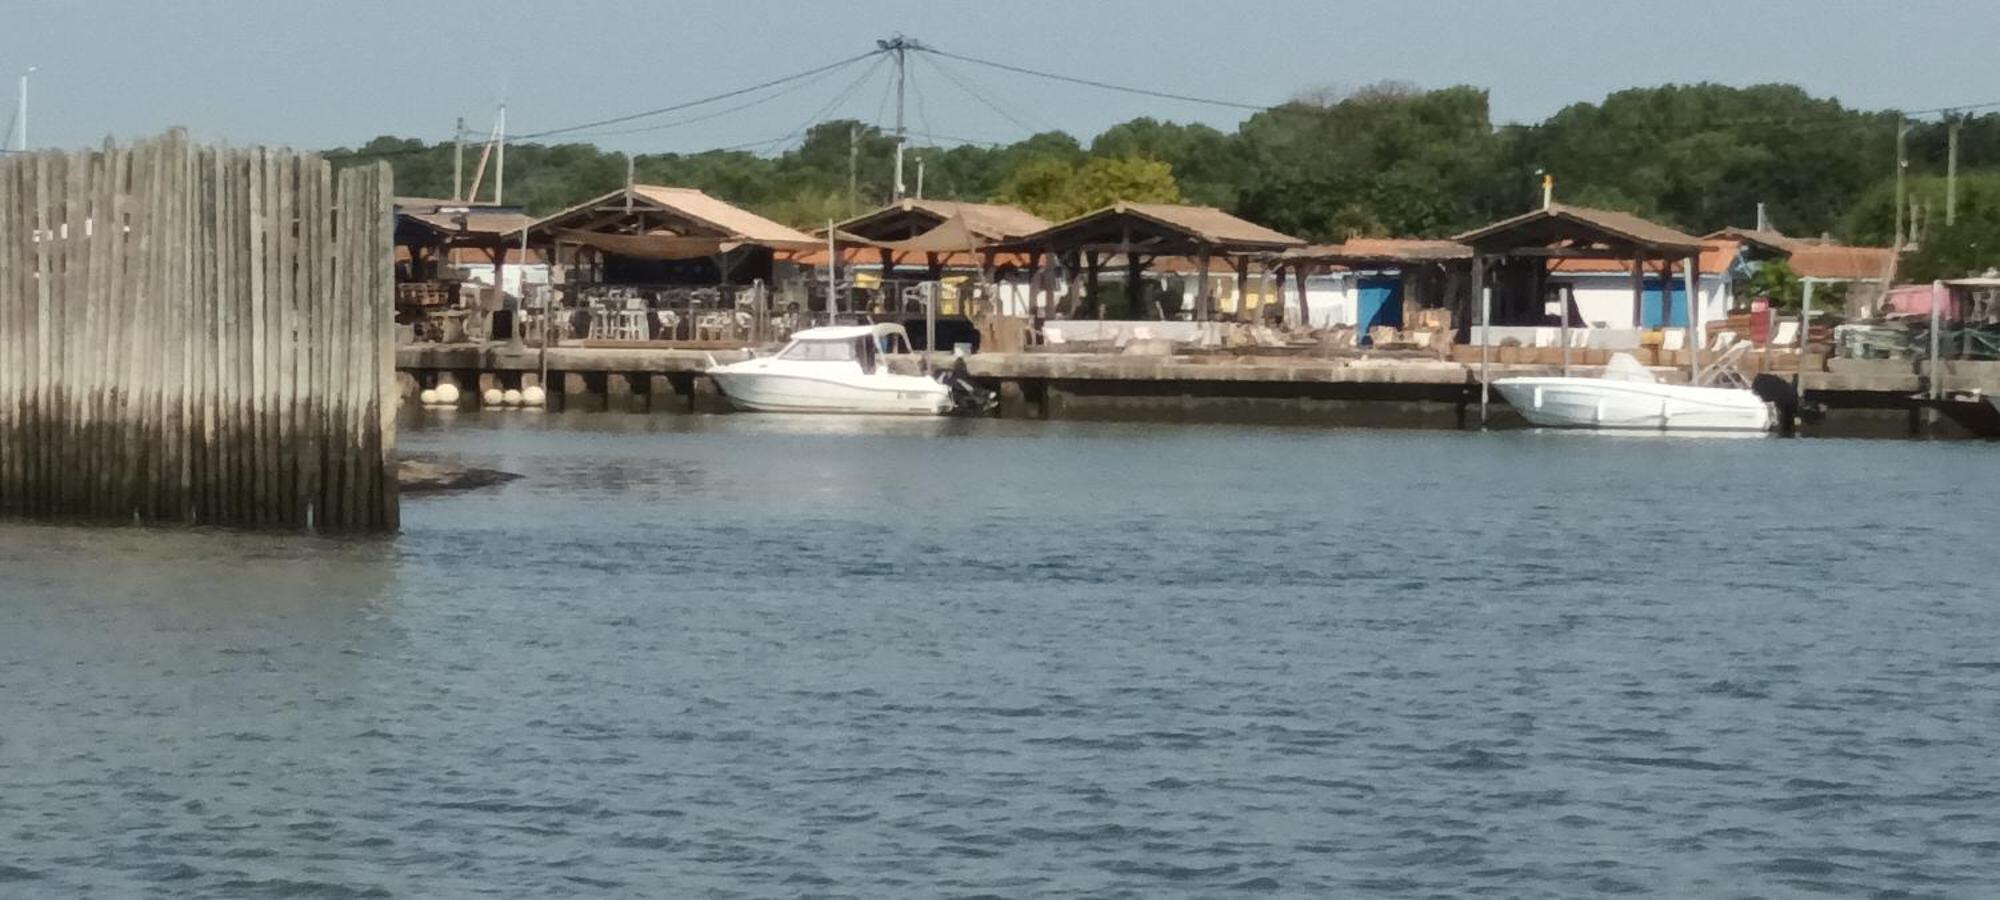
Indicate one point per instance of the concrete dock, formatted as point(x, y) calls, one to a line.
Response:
point(1862, 397)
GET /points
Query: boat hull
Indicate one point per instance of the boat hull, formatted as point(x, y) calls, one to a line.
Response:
point(1556, 402)
point(902, 395)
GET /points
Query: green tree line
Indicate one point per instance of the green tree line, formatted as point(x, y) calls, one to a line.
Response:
point(1388, 160)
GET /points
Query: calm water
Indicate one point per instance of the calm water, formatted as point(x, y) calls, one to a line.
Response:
point(764, 657)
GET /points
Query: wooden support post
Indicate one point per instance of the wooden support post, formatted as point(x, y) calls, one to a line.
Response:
point(1562, 308)
point(1935, 378)
point(1277, 275)
point(1805, 338)
point(1691, 272)
point(892, 300)
point(1073, 282)
point(1639, 289)
point(1305, 312)
point(1204, 307)
point(1242, 266)
point(1135, 287)
point(661, 396)
point(1485, 296)
point(1096, 298)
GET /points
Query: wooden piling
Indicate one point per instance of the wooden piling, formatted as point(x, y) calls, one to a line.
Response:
point(192, 334)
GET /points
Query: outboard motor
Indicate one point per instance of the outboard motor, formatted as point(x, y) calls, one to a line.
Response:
point(967, 398)
point(1791, 408)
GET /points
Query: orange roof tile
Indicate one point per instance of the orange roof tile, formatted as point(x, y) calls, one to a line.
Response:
point(1717, 256)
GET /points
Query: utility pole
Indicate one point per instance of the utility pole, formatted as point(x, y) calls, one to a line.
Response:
point(458, 161)
point(1902, 163)
point(901, 46)
point(21, 112)
point(920, 176)
point(1951, 175)
point(500, 161)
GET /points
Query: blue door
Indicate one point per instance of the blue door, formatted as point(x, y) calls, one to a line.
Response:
point(1676, 315)
point(1380, 303)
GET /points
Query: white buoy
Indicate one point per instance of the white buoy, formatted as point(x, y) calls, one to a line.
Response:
point(511, 397)
point(428, 396)
point(492, 397)
point(534, 396)
point(447, 394)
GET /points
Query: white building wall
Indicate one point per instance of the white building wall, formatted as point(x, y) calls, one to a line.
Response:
point(1605, 299)
point(512, 276)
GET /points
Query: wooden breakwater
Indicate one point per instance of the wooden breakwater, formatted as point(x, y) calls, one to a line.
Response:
point(197, 334)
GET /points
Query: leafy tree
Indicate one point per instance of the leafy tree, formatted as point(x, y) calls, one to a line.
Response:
point(1776, 280)
point(1205, 162)
point(1702, 156)
point(1056, 190)
point(1388, 159)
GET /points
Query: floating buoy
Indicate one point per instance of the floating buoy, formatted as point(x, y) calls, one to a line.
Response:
point(428, 396)
point(533, 396)
point(511, 397)
point(492, 397)
point(447, 394)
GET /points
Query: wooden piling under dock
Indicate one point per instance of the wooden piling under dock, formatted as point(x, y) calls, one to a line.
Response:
point(197, 334)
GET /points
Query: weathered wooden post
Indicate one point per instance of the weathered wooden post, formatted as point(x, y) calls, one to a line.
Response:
point(196, 334)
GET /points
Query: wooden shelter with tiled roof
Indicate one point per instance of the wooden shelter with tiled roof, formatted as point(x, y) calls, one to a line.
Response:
point(1512, 259)
point(909, 218)
point(941, 232)
point(648, 232)
point(1140, 232)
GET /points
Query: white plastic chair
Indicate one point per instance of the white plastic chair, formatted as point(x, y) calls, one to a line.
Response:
point(1674, 340)
point(1787, 335)
point(1723, 339)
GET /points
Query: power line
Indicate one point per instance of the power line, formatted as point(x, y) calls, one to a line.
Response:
point(937, 138)
point(923, 114)
point(982, 98)
point(704, 100)
point(820, 115)
point(882, 104)
point(1104, 85)
point(795, 87)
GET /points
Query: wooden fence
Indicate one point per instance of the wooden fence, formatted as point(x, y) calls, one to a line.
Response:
point(197, 334)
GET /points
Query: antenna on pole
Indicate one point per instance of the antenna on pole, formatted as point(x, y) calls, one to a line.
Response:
point(901, 47)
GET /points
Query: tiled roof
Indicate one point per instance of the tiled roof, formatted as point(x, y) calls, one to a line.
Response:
point(1619, 225)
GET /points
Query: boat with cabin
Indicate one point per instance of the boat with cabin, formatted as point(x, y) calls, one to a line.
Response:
point(845, 369)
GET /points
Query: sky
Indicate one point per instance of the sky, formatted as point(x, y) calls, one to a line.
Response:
point(330, 73)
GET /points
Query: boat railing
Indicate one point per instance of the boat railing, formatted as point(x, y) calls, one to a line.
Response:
point(1725, 370)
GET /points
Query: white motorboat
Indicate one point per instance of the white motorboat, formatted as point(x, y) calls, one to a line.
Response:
point(1629, 396)
point(839, 369)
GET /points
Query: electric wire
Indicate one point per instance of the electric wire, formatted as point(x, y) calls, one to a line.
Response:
point(793, 88)
point(982, 98)
point(687, 104)
point(821, 114)
point(1091, 82)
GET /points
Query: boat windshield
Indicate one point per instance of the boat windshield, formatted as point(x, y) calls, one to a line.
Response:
point(820, 351)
